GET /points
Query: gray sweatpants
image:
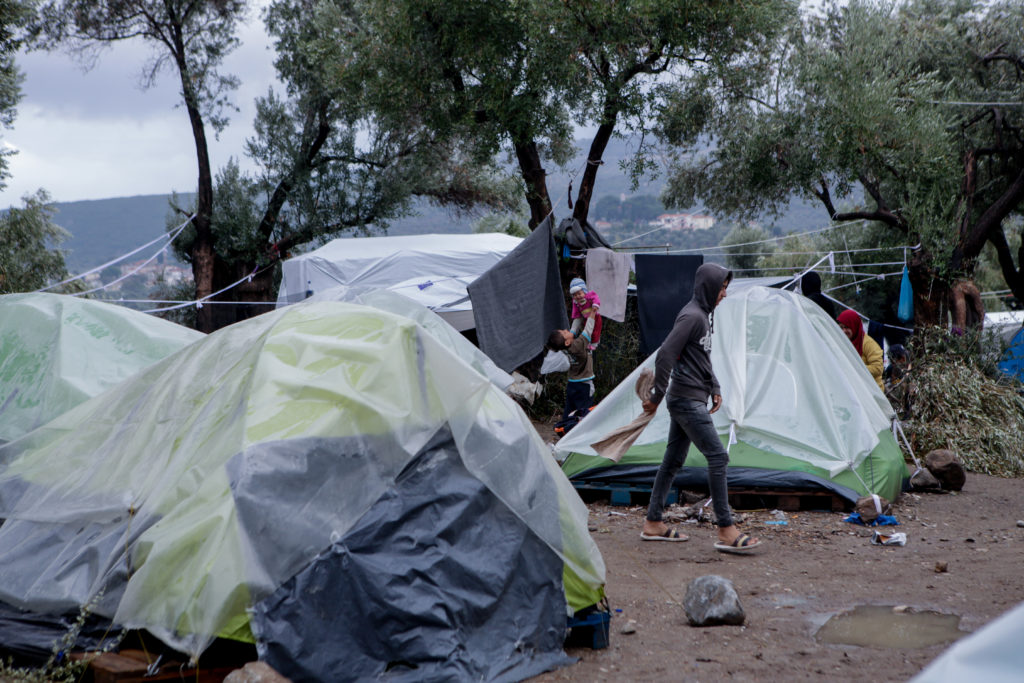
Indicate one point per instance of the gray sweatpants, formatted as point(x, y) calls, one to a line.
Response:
point(691, 423)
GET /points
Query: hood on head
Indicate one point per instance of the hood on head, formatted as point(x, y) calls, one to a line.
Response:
point(810, 283)
point(707, 283)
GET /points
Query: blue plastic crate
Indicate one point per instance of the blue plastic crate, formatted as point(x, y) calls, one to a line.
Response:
point(591, 629)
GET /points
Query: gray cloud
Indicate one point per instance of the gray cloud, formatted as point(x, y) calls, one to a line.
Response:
point(95, 134)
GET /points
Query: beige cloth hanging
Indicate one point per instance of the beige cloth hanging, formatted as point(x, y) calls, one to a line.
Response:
point(615, 444)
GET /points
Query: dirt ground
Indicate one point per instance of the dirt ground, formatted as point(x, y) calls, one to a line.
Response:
point(808, 570)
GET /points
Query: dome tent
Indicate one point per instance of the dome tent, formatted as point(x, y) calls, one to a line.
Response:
point(800, 410)
point(326, 480)
point(397, 303)
point(57, 351)
point(434, 270)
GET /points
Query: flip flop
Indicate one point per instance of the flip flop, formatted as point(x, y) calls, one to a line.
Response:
point(669, 535)
point(740, 546)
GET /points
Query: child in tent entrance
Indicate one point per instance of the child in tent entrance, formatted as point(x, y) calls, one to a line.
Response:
point(579, 392)
point(584, 303)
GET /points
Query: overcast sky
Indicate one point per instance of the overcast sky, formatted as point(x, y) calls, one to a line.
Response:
point(95, 134)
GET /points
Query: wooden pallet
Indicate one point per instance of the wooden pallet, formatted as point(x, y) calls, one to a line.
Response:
point(790, 501)
point(131, 666)
point(619, 494)
point(740, 499)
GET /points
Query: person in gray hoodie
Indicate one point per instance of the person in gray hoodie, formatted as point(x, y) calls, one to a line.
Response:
point(685, 358)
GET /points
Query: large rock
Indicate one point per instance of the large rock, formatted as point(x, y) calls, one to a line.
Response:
point(711, 601)
point(947, 468)
point(923, 480)
point(255, 672)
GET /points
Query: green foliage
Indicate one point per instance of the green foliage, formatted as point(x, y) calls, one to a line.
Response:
point(29, 258)
point(515, 224)
point(183, 291)
point(957, 376)
point(862, 103)
point(741, 256)
point(516, 76)
point(14, 14)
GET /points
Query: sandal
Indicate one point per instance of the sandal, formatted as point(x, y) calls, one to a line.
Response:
point(669, 535)
point(741, 545)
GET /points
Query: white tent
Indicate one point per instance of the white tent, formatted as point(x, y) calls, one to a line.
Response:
point(992, 654)
point(432, 270)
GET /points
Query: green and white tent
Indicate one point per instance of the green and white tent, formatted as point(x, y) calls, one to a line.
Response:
point(57, 351)
point(800, 409)
point(438, 327)
point(326, 480)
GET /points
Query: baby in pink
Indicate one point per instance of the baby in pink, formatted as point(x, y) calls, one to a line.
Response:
point(584, 303)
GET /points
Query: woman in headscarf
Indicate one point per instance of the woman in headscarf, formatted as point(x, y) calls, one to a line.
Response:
point(869, 350)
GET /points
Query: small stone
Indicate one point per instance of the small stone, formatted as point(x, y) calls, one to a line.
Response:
point(628, 627)
point(1020, 523)
point(900, 609)
point(711, 600)
point(941, 567)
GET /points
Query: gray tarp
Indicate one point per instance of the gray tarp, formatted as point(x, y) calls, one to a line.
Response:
point(519, 301)
point(406, 594)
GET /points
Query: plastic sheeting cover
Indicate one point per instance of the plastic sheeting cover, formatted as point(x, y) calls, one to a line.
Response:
point(385, 262)
point(57, 351)
point(393, 302)
point(131, 491)
point(792, 384)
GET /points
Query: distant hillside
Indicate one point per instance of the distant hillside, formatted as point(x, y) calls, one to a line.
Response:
point(103, 229)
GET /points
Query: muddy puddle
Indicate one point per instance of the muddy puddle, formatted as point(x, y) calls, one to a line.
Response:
point(892, 627)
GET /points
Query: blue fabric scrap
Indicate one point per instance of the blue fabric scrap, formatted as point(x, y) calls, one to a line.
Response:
point(881, 520)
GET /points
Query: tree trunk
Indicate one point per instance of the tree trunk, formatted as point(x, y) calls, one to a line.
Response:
point(254, 296)
point(586, 191)
point(930, 294)
point(536, 182)
point(202, 248)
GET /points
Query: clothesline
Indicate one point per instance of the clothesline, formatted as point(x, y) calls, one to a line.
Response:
point(815, 253)
point(741, 244)
point(198, 303)
point(169, 236)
